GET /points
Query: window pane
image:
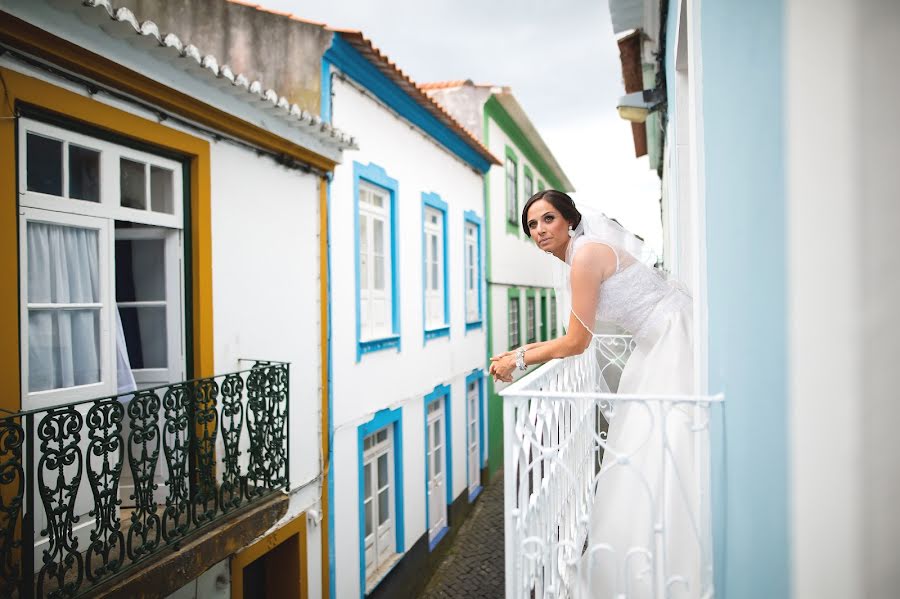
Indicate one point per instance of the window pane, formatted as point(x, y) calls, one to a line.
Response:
point(369, 505)
point(63, 348)
point(145, 336)
point(437, 432)
point(363, 252)
point(63, 264)
point(379, 272)
point(367, 478)
point(84, 174)
point(383, 511)
point(378, 230)
point(44, 164)
point(133, 184)
point(140, 270)
point(437, 461)
point(161, 190)
point(382, 470)
point(381, 435)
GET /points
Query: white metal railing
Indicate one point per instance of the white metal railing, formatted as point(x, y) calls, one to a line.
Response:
point(637, 526)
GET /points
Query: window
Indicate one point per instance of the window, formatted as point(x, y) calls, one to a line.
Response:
point(513, 318)
point(528, 185)
point(474, 432)
point(512, 190)
point(438, 464)
point(530, 318)
point(434, 268)
point(553, 323)
point(543, 312)
point(378, 316)
point(377, 495)
point(101, 274)
point(472, 275)
point(380, 496)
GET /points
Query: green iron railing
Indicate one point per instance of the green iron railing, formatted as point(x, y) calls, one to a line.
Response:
point(90, 490)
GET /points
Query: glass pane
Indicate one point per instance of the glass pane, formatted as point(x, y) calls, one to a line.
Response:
point(383, 512)
point(437, 461)
point(162, 197)
point(437, 432)
point(140, 270)
point(382, 470)
point(43, 163)
point(133, 184)
point(84, 174)
point(63, 348)
point(367, 442)
point(381, 435)
point(367, 478)
point(363, 252)
point(378, 230)
point(145, 336)
point(63, 264)
point(379, 272)
point(434, 276)
point(369, 505)
point(377, 200)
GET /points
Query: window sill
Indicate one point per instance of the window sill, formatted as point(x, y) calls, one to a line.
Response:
point(443, 331)
point(437, 538)
point(375, 579)
point(373, 345)
point(475, 324)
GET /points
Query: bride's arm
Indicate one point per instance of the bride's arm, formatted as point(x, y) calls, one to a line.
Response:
point(592, 265)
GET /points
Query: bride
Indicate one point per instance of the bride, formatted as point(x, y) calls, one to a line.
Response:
point(635, 496)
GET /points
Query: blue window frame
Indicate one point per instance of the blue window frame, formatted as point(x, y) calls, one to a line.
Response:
point(382, 421)
point(476, 378)
point(378, 299)
point(435, 283)
point(441, 393)
point(472, 273)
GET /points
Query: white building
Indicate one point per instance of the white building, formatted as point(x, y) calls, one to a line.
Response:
point(521, 302)
point(408, 324)
point(153, 200)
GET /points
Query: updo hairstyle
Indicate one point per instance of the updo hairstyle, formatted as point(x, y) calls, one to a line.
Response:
point(559, 200)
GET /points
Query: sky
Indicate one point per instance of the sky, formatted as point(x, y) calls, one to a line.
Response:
point(559, 57)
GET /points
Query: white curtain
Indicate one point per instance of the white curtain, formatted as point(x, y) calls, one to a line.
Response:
point(63, 344)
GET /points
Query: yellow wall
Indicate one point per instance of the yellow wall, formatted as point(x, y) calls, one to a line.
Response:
point(21, 88)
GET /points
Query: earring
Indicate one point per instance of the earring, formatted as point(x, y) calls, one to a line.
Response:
point(571, 231)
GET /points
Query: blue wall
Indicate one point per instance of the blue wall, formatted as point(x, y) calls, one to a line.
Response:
point(743, 55)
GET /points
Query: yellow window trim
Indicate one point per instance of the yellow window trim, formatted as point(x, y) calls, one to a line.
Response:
point(19, 87)
point(242, 559)
point(38, 42)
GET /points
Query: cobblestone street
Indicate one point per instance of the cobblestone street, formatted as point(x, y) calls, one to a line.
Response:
point(474, 566)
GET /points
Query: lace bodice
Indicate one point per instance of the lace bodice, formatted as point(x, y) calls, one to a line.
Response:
point(635, 295)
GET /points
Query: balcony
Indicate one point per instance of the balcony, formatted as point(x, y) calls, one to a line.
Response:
point(98, 492)
point(555, 440)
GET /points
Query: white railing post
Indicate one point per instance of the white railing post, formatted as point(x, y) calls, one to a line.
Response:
point(509, 495)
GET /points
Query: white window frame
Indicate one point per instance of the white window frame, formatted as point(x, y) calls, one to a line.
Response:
point(434, 237)
point(382, 540)
point(472, 283)
point(62, 210)
point(436, 483)
point(369, 297)
point(513, 323)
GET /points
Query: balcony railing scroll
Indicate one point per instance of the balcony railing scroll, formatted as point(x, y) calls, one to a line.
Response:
point(561, 468)
point(92, 489)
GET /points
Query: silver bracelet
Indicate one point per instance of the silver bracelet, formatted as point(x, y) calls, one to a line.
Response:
point(520, 359)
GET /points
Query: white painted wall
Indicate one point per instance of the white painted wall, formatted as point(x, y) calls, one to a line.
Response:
point(843, 219)
point(390, 378)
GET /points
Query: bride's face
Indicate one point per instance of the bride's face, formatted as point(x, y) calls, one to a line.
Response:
point(548, 228)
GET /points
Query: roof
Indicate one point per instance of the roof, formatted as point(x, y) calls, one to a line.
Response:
point(389, 69)
point(181, 54)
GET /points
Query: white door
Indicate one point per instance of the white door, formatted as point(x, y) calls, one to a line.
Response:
point(473, 417)
point(378, 476)
point(437, 486)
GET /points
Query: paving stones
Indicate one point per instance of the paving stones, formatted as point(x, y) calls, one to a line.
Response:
point(474, 566)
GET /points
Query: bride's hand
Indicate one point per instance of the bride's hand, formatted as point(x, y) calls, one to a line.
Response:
point(502, 367)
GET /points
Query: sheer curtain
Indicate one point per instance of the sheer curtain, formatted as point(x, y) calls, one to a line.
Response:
point(64, 326)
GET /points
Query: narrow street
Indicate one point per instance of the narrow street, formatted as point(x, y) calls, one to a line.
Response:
point(474, 567)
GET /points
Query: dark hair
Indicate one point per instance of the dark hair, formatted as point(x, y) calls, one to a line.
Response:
point(559, 200)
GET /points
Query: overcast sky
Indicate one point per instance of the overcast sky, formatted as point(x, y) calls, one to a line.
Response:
point(561, 60)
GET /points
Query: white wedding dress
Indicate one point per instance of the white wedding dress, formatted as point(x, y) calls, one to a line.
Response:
point(634, 493)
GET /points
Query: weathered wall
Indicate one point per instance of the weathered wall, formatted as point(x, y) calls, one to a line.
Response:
point(466, 104)
point(282, 53)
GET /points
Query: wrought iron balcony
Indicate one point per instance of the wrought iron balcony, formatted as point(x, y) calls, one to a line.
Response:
point(558, 461)
point(92, 490)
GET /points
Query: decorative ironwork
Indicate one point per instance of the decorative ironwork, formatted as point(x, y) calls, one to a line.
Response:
point(554, 438)
point(190, 449)
point(12, 492)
